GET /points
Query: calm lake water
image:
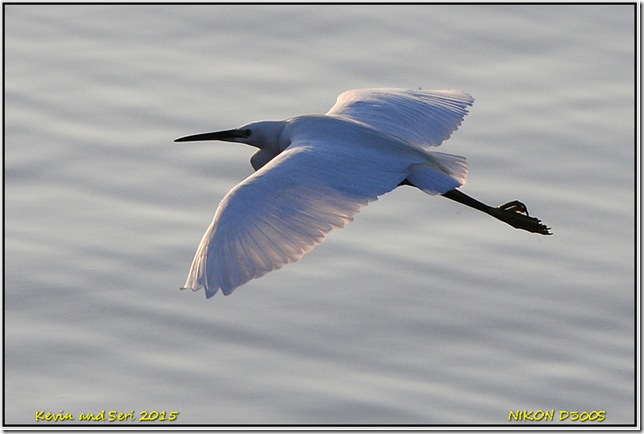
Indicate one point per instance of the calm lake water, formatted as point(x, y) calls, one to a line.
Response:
point(421, 312)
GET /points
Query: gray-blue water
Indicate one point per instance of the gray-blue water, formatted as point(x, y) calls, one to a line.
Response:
point(422, 311)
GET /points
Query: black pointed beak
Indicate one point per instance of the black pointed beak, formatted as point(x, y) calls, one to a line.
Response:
point(226, 136)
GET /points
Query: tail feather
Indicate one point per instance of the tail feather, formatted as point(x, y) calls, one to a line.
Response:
point(441, 173)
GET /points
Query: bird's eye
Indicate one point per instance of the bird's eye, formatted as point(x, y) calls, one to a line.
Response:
point(247, 132)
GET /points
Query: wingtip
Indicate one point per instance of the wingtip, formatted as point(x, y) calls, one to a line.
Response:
point(209, 293)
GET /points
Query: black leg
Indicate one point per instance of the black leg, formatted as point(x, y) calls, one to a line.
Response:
point(466, 200)
point(513, 213)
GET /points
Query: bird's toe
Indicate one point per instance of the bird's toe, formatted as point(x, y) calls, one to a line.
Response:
point(515, 206)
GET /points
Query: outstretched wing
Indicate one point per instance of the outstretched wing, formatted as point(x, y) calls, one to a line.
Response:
point(423, 118)
point(288, 207)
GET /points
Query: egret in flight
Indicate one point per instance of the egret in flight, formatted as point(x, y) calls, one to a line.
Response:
point(313, 173)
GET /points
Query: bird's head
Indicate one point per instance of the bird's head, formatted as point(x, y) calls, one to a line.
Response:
point(264, 135)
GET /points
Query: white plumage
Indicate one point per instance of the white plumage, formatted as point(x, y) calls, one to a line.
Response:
point(315, 172)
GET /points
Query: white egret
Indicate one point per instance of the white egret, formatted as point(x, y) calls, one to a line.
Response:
point(315, 172)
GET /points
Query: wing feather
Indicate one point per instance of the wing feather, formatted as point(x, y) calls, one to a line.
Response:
point(288, 207)
point(422, 118)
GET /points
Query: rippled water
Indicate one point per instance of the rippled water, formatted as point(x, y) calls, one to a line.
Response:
point(420, 312)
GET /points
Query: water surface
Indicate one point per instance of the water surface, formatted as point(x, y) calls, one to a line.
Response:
point(422, 311)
